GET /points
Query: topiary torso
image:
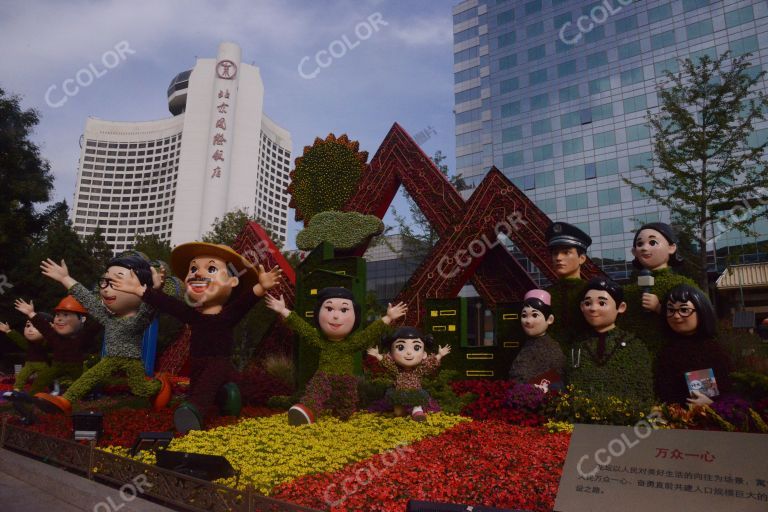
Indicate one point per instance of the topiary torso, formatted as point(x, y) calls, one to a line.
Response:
point(569, 325)
point(648, 326)
point(624, 371)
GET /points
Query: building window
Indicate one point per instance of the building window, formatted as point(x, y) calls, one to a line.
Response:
point(608, 196)
point(606, 167)
point(604, 139)
point(542, 152)
point(468, 95)
point(532, 7)
point(510, 109)
point(743, 46)
point(601, 112)
point(640, 160)
point(547, 206)
point(507, 62)
point(635, 104)
point(638, 132)
point(562, 19)
point(509, 85)
point(626, 24)
point(663, 40)
point(566, 68)
point(691, 5)
point(599, 85)
point(511, 134)
point(576, 202)
point(597, 59)
point(595, 35)
point(573, 146)
point(613, 226)
point(569, 93)
point(505, 17)
point(574, 173)
point(545, 179)
point(539, 101)
point(465, 35)
point(537, 52)
point(739, 16)
point(507, 39)
point(536, 29)
point(541, 126)
point(512, 159)
point(537, 77)
point(590, 171)
point(632, 76)
point(699, 29)
point(629, 50)
point(570, 120)
point(670, 65)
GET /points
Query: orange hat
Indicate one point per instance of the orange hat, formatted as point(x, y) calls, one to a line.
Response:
point(69, 303)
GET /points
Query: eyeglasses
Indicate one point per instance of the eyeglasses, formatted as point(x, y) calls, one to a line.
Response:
point(683, 311)
point(104, 282)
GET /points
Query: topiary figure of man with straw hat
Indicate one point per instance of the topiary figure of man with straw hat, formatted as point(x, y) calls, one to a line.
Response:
point(221, 287)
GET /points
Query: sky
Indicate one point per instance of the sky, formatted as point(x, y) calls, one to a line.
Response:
point(402, 71)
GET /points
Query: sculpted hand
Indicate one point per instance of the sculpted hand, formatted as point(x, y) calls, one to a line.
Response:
point(25, 308)
point(277, 305)
point(57, 272)
point(375, 353)
point(701, 399)
point(129, 284)
point(651, 303)
point(267, 280)
point(394, 312)
point(443, 351)
point(4, 327)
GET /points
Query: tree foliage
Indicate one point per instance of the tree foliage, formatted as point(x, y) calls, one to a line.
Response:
point(225, 230)
point(705, 158)
point(326, 176)
point(153, 246)
point(418, 235)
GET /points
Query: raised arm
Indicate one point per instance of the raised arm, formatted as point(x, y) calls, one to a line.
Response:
point(14, 336)
point(91, 302)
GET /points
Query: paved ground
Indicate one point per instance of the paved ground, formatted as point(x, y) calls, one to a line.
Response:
point(19, 496)
point(27, 485)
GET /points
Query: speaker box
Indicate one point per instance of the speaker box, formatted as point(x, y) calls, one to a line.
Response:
point(204, 467)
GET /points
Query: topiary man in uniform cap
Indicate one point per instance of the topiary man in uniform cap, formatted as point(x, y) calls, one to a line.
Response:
point(568, 248)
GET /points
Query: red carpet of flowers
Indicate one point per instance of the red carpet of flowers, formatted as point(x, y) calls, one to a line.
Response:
point(480, 463)
point(492, 397)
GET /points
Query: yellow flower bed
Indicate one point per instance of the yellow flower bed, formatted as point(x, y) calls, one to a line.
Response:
point(268, 451)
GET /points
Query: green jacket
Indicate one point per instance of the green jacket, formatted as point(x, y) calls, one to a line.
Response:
point(337, 357)
point(624, 370)
point(647, 326)
point(569, 325)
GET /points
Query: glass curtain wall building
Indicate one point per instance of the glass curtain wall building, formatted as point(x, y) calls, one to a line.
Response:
point(554, 93)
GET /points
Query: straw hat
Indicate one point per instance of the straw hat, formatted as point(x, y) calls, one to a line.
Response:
point(184, 253)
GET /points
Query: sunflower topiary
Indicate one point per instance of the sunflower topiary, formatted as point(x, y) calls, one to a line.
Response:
point(326, 176)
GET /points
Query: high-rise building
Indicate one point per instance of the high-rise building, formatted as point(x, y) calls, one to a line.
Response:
point(175, 176)
point(554, 93)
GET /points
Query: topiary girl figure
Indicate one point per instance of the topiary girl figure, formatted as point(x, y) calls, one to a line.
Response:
point(333, 387)
point(408, 361)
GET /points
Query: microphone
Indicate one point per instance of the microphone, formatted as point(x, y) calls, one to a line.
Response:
point(645, 280)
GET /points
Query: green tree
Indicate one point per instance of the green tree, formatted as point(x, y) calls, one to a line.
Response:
point(25, 180)
point(705, 160)
point(418, 235)
point(98, 248)
point(154, 247)
point(225, 230)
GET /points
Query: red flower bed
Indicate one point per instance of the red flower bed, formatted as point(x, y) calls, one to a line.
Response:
point(491, 402)
point(122, 426)
point(478, 463)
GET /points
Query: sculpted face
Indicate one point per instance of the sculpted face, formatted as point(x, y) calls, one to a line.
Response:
point(31, 333)
point(567, 261)
point(408, 352)
point(600, 310)
point(652, 250)
point(534, 322)
point(118, 302)
point(66, 323)
point(336, 318)
point(682, 317)
point(209, 282)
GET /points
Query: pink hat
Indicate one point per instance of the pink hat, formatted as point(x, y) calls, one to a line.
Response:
point(543, 296)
